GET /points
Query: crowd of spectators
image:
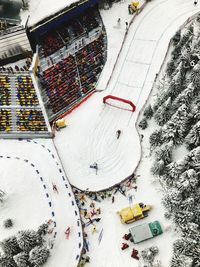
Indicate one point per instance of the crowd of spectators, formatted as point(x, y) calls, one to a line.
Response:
point(5, 120)
point(61, 83)
point(26, 94)
point(66, 33)
point(30, 120)
point(19, 90)
point(70, 79)
point(90, 61)
point(5, 92)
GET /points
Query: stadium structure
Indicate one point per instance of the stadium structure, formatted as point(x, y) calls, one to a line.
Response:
point(49, 68)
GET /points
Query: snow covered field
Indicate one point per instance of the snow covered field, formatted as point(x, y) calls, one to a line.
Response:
point(28, 171)
point(91, 137)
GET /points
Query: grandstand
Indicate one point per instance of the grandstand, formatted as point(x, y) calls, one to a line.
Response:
point(21, 114)
point(71, 54)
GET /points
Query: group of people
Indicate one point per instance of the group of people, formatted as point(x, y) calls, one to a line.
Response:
point(67, 32)
point(61, 84)
point(5, 92)
point(69, 80)
point(5, 120)
point(26, 94)
point(30, 120)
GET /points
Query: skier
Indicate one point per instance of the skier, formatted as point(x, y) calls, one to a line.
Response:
point(96, 167)
point(118, 132)
point(55, 189)
point(118, 22)
point(195, 2)
point(67, 232)
point(126, 25)
point(113, 199)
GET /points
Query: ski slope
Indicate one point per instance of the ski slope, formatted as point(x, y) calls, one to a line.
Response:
point(28, 171)
point(91, 134)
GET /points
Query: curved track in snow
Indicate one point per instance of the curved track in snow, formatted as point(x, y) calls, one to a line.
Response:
point(91, 136)
point(35, 167)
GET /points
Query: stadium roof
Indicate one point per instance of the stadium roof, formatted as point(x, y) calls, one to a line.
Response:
point(40, 10)
point(13, 42)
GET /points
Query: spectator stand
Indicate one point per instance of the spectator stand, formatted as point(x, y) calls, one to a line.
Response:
point(21, 115)
point(69, 37)
point(64, 87)
point(73, 78)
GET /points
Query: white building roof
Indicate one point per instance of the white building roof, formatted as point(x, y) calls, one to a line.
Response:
point(140, 232)
point(14, 42)
point(41, 9)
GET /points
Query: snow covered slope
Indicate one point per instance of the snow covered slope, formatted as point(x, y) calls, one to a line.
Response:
point(28, 171)
point(91, 134)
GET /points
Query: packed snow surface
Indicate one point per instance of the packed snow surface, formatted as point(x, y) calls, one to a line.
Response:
point(91, 134)
point(28, 171)
point(91, 137)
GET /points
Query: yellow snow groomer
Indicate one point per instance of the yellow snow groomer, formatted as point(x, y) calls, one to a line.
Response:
point(134, 213)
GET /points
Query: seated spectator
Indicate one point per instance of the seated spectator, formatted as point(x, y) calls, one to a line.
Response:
point(30, 120)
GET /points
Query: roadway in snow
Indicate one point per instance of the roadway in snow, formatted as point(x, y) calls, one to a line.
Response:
point(91, 134)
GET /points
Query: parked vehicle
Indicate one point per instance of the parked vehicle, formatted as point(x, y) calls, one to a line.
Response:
point(145, 231)
point(134, 213)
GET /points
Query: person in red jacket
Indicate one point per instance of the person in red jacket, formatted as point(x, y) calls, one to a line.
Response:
point(67, 232)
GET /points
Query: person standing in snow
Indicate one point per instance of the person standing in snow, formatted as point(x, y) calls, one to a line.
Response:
point(118, 22)
point(113, 199)
point(195, 2)
point(126, 25)
point(118, 132)
point(67, 232)
point(55, 189)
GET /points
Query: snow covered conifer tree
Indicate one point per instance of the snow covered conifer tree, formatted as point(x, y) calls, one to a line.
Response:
point(158, 168)
point(176, 38)
point(156, 138)
point(174, 170)
point(175, 128)
point(10, 246)
point(8, 223)
point(193, 138)
point(7, 261)
point(185, 97)
point(181, 261)
point(21, 259)
point(28, 239)
point(42, 229)
point(143, 124)
point(38, 255)
point(148, 112)
point(172, 199)
point(161, 116)
point(164, 152)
